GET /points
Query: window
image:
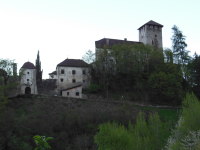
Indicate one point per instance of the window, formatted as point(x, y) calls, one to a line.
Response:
point(27, 72)
point(27, 79)
point(61, 80)
point(155, 35)
point(67, 93)
point(77, 93)
point(83, 71)
point(111, 60)
point(74, 81)
point(62, 71)
point(73, 72)
point(83, 81)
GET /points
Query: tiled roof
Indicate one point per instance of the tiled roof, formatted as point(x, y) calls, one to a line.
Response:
point(111, 42)
point(72, 85)
point(73, 63)
point(28, 65)
point(151, 22)
point(54, 72)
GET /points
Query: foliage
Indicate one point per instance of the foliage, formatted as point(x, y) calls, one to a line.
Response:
point(143, 135)
point(9, 78)
point(186, 132)
point(41, 141)
point(179, 45)
point(125, 68)
point(165, 84)
point(93, 88)
point(89, 57)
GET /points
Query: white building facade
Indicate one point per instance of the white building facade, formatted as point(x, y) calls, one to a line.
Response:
point(28, 79)
point(71, 72)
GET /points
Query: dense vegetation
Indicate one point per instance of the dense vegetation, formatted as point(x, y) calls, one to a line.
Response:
point(145, 72)
point(73, 125)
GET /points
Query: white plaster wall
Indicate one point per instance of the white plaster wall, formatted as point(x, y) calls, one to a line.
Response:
point(32, 80)
point(72, 92)
point(54, 76)
point(149, 33)
point(68, 76)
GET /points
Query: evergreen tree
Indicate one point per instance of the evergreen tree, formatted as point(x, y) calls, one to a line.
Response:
point(38, 68)
point(181, 56)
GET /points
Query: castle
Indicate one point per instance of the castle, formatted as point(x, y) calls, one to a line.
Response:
point(149, 33)
point(72, 75)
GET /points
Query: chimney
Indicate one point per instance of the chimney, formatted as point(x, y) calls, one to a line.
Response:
point(125, 39)
point(107, 41)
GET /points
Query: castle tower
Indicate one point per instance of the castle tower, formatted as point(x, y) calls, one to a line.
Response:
point(28, 80)
point(151, 33)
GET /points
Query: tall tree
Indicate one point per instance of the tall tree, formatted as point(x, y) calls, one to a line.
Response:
point(38, 68)
point(179, 45)
point(180, 53)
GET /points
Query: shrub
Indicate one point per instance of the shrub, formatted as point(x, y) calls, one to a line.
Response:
point(93, 88)
point(188, 124)
point(141, 136)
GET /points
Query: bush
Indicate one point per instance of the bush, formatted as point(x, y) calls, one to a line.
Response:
point(143, 135)
point(188, 124)
point(94, 88)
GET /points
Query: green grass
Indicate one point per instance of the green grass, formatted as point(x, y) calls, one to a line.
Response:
point(171, 115)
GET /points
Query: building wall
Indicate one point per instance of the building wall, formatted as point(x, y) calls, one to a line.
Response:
point(72, 92)
point(68, 76)
point(31, 75)
point(149, 33)
point(52, 76)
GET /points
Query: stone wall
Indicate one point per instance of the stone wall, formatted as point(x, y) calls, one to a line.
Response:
point(47, 87)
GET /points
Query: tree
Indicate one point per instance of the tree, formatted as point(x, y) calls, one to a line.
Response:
point(8, 79)
point(193, 68)
point(178, 44)
point(89, 57)
point(168, 55)
point(165, 84)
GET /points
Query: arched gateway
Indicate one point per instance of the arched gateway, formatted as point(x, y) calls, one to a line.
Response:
point(27, 90)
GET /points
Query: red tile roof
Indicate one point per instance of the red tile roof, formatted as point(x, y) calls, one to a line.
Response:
point(28, 65)
point(112, 42)
point(73, 63)
point(151, 22)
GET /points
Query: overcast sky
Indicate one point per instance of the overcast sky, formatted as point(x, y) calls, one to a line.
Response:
point(68, 28)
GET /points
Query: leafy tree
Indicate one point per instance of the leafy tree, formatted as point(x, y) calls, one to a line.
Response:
point(8, 80)
point(178, 44)
point(168, 55)
point(193, 68)
point(165, 84)
point(89, 57)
